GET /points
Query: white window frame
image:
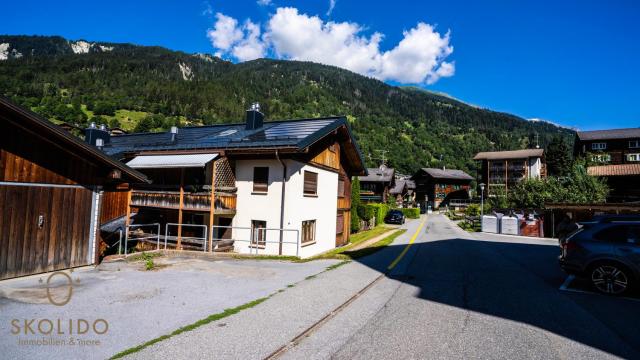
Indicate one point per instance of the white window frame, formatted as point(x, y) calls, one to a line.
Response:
point(634, 144)
point(633, 157)
point(312, 232)
point(599, 146)
point(601, 157)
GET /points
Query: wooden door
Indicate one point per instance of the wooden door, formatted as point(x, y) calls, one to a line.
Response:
point(43, 229)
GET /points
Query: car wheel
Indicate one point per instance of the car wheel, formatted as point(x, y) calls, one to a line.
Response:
point(610, 278)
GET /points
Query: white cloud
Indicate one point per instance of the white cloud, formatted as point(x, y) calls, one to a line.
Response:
point(332, 4)
point(251, 46)
point(264, 2)
point(225, 32)
point(241, 42)
point(418, 58)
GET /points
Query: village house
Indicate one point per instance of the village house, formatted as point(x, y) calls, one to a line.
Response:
point(279, 187)
point(52, 187)
point(404, 192)
point(500, 170)
point(615, 154)
point(375, 186)
point(438, 186)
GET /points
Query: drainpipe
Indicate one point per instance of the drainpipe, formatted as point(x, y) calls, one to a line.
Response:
point(284, 181)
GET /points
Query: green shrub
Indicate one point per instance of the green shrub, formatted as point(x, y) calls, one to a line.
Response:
point(413, 213)
point(379, 211)
point(474, 209)
point(355, 202)
point(366, 212)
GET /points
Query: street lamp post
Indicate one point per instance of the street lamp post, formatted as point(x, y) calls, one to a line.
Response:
point(481, 201)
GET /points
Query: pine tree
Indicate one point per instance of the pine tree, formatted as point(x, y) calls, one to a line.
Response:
point(355, 203)
point(558, 156)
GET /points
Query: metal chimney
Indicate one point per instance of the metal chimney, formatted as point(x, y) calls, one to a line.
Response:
point(174, 133)
point(255, 119)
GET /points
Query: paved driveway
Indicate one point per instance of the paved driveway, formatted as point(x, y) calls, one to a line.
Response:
point(137, 305)
point(462, 296)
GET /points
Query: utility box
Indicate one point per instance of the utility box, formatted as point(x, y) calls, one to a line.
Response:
point(510, 225)
point(490, 224)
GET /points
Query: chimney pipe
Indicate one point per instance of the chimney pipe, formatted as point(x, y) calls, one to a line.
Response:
point(255, 119)
point(174, 133)
point(94, 134)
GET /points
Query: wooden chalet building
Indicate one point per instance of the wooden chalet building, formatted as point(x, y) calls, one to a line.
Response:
point(51, 189)
point(615, 154)
point(375, 186)
point(404, 192)
point(500, 170)
point(247, 182)
point(437, 186)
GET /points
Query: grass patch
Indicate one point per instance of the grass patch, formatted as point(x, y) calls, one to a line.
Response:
point(207, 320)
point(367, 234)
point(467, 226)
point(335, 266)
point(375, 247)
point(146, 256)
point(353, 241)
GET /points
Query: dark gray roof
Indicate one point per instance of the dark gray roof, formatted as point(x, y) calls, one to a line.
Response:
point(511, 154)
point(447, 174)
point(297, 134)
point(381, 174)
point(611, 134)
point(399, 187)
point(401, 184)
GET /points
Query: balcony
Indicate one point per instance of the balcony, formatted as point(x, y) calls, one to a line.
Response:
point(225, 203)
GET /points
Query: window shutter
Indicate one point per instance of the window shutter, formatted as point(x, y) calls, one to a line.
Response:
point(310, 183)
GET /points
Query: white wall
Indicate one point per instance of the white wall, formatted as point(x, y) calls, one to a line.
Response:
point(535, 168)
point(298, 208)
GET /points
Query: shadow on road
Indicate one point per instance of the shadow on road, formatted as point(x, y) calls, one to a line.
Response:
point(518, 282)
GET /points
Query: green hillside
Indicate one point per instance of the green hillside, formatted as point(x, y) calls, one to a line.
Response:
point(153, 88)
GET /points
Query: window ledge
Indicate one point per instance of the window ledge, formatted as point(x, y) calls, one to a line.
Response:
point(307, 244)
point(259, 193)
point(310, 195)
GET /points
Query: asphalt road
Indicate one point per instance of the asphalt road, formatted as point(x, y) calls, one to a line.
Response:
point(456, 295)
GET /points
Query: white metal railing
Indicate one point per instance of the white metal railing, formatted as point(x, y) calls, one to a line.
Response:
point(187, 239)
point(145, 236)
point(256, 244)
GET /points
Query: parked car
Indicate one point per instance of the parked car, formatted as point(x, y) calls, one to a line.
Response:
point(606, 251)
point(394, 217)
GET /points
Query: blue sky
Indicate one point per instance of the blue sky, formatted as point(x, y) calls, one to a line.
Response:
point(570, 62)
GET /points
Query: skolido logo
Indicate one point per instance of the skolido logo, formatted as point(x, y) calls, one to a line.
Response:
point(63, 301)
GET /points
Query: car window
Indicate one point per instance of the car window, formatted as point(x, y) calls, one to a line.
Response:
point(615, 234)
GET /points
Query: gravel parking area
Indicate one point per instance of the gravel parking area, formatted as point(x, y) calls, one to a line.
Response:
point(137, 305)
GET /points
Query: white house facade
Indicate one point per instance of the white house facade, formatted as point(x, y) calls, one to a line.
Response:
point(308, 220)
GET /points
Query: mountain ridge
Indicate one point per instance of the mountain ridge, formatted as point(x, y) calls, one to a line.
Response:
point(156, 87)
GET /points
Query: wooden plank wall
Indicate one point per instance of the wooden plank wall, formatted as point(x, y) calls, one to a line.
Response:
point(329, 157)
point(60, 243)
point(114, 205)
point(25, 158)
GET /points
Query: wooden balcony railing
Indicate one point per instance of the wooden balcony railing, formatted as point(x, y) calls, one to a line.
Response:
point(224, 202)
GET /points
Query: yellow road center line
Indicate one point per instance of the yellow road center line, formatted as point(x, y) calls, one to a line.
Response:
point(406, 248)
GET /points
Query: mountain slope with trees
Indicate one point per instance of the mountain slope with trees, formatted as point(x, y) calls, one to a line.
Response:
point(152, 88)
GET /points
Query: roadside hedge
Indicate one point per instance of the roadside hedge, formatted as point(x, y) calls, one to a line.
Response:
point(413, 213)
point(379, 211)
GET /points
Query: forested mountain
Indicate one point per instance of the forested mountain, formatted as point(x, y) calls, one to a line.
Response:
point(151, 88)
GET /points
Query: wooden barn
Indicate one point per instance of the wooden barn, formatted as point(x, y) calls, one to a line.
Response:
point(51, 187)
